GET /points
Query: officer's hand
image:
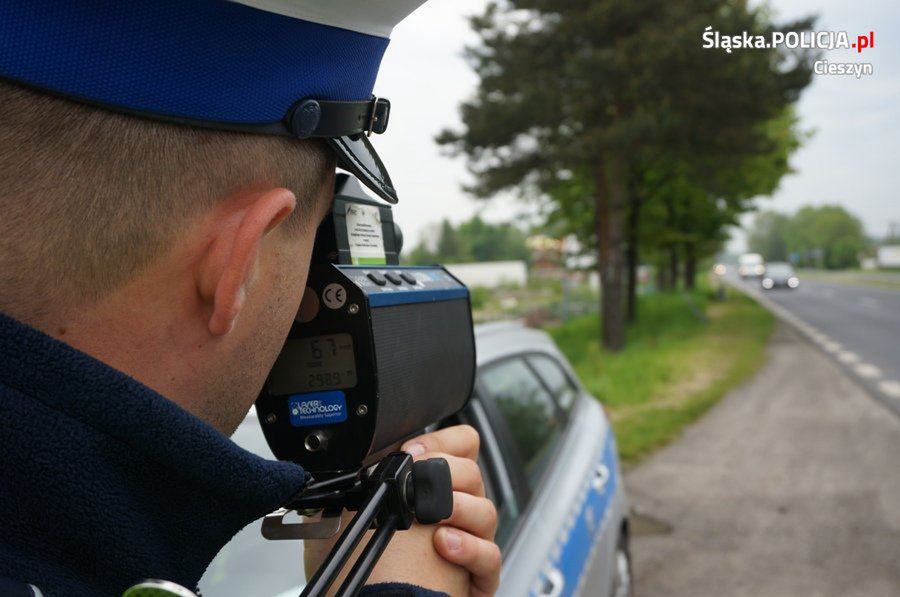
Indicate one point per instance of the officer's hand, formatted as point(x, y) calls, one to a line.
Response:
point(467, 537)
point(458, 556)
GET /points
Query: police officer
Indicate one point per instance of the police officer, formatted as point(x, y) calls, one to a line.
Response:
point(164, 165)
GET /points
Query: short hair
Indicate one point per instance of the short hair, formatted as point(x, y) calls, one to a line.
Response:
point(90, 197)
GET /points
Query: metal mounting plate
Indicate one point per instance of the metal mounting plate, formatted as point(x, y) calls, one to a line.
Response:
point(275, 529)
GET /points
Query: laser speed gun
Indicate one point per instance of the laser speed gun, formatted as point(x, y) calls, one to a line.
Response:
point(378, 352)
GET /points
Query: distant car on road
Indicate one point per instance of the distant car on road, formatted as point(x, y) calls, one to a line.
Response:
point(550, 465)
point(779, 275)
point(751, 265)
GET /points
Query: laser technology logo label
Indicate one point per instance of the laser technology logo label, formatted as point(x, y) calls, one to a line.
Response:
point(807, 40)
point(317, 408)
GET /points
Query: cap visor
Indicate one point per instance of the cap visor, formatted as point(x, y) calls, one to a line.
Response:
point(357, 156)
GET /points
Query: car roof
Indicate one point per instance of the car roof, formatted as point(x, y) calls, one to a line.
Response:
point(499, 339)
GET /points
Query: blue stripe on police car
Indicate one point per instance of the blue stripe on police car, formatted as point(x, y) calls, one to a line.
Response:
point(568, 561)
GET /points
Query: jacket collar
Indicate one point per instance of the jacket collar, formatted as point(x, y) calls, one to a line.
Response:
point(177, 483)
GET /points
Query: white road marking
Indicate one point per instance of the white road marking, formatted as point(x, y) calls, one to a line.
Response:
point(867, 370)
point(848, 357)
point(891, 388)
point(819, 337)
point(832, 346)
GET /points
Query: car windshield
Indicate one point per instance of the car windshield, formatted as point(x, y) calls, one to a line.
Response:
point(779, 269)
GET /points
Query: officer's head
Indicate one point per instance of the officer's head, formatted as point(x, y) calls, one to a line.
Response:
point(198, 238)
point(158, 204)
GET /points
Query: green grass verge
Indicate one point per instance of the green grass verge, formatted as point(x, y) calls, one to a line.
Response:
point(684, 354)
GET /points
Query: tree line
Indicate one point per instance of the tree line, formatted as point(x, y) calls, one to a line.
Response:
point(471, 240)
point(827, 237)
point(612, 118)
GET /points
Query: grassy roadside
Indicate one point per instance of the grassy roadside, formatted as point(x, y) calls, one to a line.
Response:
point(889, 279)
point(684, 354)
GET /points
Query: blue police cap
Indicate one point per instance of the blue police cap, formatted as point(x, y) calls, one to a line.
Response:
point(302, 68)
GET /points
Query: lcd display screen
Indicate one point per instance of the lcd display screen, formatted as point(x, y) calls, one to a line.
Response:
point(312, 364)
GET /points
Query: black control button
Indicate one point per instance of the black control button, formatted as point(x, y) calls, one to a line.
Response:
point(377, 278)
point(409, 278)
point(393, 278)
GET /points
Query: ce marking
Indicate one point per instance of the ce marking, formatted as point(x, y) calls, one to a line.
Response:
point(334, 296)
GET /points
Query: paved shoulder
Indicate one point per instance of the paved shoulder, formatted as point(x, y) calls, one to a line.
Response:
point(790, 486)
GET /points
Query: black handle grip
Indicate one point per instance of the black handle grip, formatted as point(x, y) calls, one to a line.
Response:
point(432, 490)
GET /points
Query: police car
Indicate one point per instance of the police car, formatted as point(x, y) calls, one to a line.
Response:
point(550, 465)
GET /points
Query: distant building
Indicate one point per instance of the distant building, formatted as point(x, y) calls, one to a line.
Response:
point(546, 256)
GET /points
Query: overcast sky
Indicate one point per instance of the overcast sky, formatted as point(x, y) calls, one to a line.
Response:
point(852, 158)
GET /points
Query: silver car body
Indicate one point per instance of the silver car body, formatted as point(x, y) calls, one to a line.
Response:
point(564, 540)
point(566, 544)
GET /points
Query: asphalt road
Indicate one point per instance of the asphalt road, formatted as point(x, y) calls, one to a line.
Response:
point(789, 486)
point(859, 326)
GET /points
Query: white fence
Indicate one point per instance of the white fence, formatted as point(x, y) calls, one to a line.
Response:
point(490, 274)
point(889, 256)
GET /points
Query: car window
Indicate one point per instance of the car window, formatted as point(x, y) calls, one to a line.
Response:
point(528, 410)
point(495, 468)
point(556, 379)
point(507, 512)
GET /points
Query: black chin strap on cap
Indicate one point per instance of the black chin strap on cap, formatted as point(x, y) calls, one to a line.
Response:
point(324, 118)
point(346, 126)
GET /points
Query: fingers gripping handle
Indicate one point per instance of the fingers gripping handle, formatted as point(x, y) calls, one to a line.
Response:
point(429, 490)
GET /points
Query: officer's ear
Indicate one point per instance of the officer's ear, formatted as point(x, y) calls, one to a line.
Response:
point(229, 265)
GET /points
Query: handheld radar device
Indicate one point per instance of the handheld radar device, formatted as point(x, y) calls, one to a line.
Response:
point(377, 353)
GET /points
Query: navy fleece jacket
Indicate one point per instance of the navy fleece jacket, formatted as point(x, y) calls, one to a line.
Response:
point(103, 482)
